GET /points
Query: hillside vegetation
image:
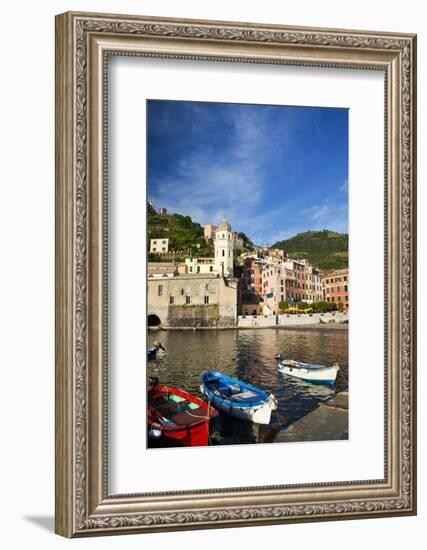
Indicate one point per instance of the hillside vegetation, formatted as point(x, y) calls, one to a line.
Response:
point(326, 249)
point(185, 235)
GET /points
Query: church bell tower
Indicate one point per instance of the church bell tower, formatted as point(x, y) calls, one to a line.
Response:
point(224, 248)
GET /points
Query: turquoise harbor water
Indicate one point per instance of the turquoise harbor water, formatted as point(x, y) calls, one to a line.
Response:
point(249, 355)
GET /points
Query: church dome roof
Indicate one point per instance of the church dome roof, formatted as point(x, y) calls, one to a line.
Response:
point(224, 225)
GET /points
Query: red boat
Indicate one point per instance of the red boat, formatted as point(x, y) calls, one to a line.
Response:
point(177, 418)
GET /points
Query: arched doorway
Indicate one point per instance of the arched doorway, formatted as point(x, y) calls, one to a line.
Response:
point(153, 320)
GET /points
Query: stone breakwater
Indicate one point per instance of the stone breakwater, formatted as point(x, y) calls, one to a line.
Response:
point(328, 421)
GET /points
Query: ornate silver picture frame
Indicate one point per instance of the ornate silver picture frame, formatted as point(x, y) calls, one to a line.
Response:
point(84, 42)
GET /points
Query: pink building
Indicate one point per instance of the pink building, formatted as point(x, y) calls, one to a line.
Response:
point(274, 286)
point(299, 288)
point(209, 231)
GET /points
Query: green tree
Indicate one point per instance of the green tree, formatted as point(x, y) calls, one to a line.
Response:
point(323, 307)
point(247, 243)
point(302, 305)
point(327, 249)
point(283, 306)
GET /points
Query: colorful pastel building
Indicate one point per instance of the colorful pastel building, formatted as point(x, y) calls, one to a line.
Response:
point(209, 231)
point(252, 275)
point(200, 265)
point(312, 285)
point(336, 287)
point(299, 290)
point(274, 287)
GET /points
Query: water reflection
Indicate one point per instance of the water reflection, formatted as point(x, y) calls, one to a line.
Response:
point(249, 355)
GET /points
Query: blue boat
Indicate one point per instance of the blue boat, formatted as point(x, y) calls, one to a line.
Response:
point(151, 353)
point(237, 398)
point(155, 350)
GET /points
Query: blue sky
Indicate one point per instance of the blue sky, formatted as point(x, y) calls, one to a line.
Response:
point(273, 171)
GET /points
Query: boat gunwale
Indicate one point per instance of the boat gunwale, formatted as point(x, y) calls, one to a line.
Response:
point(308, 366)
point(264, 397)
point(213, 413)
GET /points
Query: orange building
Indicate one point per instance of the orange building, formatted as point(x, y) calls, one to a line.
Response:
point(252, 275)
point(336, 287)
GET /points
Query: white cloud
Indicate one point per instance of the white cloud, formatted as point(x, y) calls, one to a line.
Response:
point(207, 188)
point(234, 183)
point(328, 215)
point(344, 186)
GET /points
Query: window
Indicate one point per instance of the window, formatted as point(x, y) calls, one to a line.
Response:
point(328, 299)
point(154, 242)
point(154, 250)
point(206, 299)
point(163, 249)
point(339, 298)
point(191, 269)
point(160, 290)
point(345, 278)
point(338, 289)
point(282, 298)
point(211, 268)
point(346, 298)
point(188, 299)
point(171, 299)
point(332, 299)
point(164, 242)
point(346, 288)
point(182, 292)
point(223, 252)
point(198, 269)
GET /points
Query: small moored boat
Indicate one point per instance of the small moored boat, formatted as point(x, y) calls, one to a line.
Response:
point(157, 350)
point(177, 417)
point(238, 398)
point(316, 374)
point(160, 349)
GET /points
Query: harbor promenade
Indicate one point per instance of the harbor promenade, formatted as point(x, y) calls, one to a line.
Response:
point(304, 319)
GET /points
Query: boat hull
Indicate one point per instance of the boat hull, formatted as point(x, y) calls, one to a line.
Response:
point(259, 412)
point(182, 428)
point(151, 354)
point(326, 376)
point(258, 415)
point(196, 436)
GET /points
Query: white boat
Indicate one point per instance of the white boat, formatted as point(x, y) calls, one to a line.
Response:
point(316, 374)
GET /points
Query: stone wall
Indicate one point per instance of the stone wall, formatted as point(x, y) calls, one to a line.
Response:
point(193, 316)
point(259, 321)
point(180, 301)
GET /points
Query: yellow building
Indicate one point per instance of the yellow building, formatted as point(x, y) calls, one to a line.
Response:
point(200, 265)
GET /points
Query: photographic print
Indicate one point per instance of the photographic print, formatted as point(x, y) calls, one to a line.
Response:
point(248, 283)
